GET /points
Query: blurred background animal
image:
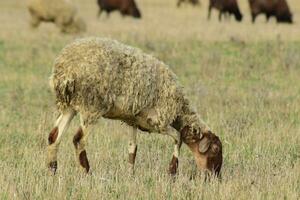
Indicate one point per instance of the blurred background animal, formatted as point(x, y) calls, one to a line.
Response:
point(125, 7)
point(61, 12)
point(225, 7)
point(277, 8)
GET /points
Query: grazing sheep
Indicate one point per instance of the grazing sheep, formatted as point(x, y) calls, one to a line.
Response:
point(276, 8)
point(126, 7)
point(225, 7)
point(98, 77)
point(192, 2)
point(61, 12)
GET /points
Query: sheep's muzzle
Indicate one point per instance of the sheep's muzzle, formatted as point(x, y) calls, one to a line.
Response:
point(206, 148)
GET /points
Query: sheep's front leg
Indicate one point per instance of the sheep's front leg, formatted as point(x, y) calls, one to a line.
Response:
point(173, 166)
point(99, 12)
point(64, 23)
point(132, 148)
point(79, 141)
point(54, 138)
point(220, 15)
point(34, 21)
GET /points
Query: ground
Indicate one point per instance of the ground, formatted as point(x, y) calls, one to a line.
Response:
point(242, 78)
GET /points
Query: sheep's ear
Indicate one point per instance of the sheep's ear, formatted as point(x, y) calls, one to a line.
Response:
point(204, 144)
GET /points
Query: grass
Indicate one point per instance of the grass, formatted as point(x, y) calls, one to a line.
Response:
point(242, 78)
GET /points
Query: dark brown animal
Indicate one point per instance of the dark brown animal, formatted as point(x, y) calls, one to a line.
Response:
point(276, 8)
point(126, 7)
point(227, 7)
point(192, 2)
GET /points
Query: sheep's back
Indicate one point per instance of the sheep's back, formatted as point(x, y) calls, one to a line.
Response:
point(51, 9)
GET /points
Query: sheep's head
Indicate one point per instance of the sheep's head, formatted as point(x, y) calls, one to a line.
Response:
point(132, 10)
point(206, 148)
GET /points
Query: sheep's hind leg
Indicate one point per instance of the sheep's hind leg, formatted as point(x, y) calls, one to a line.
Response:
point(54, 138)
point(132, 149)
point(99, 12)
point(79, 141)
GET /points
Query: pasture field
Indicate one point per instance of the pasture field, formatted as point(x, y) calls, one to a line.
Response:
point(242, 78)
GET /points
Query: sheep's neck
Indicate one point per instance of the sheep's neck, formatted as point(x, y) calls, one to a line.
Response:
point(179, 124)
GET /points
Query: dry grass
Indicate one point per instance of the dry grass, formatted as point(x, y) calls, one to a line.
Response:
point(247, 89)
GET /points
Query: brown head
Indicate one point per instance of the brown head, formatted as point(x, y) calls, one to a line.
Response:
point(206, 148)
point(133, 9)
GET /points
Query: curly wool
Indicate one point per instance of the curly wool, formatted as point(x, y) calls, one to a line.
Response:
point(94, 75)
point(61, 12)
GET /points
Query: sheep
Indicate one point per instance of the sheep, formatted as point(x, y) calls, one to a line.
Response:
point(100, 77)
point(125, 7)
point(276, 8)
point(225, 7)
point(61, 12)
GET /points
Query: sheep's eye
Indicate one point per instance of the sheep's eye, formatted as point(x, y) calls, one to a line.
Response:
point(215, 148)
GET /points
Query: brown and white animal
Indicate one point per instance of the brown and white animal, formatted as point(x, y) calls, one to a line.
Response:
point(102, 78)
point(126, 7)
point(276, 8)
point(192, 2)
point(61, 12)
point(229, 7)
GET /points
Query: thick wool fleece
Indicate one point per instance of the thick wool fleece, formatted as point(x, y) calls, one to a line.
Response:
point(94, 76)
point(62, 12)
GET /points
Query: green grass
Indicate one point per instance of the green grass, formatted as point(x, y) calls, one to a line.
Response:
point(254, 109)
point(247, 90)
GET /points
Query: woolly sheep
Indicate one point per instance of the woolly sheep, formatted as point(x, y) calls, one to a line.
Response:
point(61, 12)
point(98, 77)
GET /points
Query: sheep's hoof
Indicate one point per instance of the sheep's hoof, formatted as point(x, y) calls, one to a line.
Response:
point(131, 171)
point(53, 167)
point(88, 173)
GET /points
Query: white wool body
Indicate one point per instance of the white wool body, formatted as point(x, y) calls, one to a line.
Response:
point(100, 77)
